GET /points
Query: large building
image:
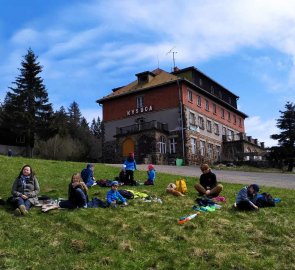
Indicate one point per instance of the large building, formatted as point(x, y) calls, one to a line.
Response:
point(184, 115)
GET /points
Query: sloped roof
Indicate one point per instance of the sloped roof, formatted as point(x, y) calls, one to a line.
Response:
point(161, 77)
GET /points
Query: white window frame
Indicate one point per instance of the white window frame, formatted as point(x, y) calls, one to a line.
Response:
point(162, 145)
point(210, 150)
point(139, 102)
point(216, 129)
point(202, 148)
point(190, 95)
point(209, 126)
point(199, 101)
point(194, 145)
point(172, 145)
point(206, 105)
point(201, 122)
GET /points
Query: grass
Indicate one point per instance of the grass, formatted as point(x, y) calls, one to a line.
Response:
point(142, 235)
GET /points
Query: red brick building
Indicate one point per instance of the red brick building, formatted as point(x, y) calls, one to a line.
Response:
point(165, 116)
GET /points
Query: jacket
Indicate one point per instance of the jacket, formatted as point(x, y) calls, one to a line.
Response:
point(114, 195)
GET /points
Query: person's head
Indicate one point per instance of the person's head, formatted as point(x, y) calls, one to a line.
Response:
point(76, 178)
point(151, 167)
point(171, 185)
point(26, 171)
point(114, 185)
point(90, 166)
point(253, 189)
point(130, 156)
point(205, 168)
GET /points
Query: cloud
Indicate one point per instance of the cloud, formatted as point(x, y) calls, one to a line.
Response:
point(262, 129)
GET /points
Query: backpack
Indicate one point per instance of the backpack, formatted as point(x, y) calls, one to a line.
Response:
point(265, 200)
point(126, 193)
point(181, 186)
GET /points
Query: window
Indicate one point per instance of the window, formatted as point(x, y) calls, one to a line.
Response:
point(202, 148)
point(210, 150)
point(209, 126)
point(240, 121)
point(172, 145)
point(200, 82)
point(192, 119)
point(214, 108)
point(206, 105)
point(217, 152)
point(231, 135)
point(223, 131)
point(201, 122)
point(20, 139)
point(194, 145)
point(139, 102)
point(162, 145)
point(228, 116)
point(235, 119)
point(222, 112)
point(212, 90)
point(216, 129)
point(199, 101)
point(190, 95)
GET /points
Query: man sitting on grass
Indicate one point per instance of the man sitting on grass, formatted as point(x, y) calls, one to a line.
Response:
point(246, 198)
point(208, 184)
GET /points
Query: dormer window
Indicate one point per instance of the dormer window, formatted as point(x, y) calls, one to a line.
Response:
point(144, 77)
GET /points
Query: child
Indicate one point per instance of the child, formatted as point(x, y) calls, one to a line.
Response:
point(77, 195)
point(87, 175)
point(114, 197)
point(171, 188)
point(25, 191)
point(130, 168)
point(151, 175)
point(246, 198)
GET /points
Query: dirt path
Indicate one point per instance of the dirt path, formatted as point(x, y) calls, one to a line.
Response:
point(264, 179)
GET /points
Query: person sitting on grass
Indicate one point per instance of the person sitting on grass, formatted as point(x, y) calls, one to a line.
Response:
point(246, 198)
point(122, 175)
point(77, 196)
point(87, 175)
point(171, 188)
point(151, 172)
point(114, 197)
point(208, 185)
point(25, 191)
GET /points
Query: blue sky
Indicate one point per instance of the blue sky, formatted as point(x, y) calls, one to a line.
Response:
point(89, 47)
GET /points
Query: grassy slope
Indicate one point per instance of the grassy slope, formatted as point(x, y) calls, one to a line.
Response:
point(142, 235)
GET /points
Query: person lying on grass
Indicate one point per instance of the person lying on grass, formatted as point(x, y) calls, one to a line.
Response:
point(25, 191)
point(208, 185)
point(114, 197)
point(77, 195)
point(246, 198)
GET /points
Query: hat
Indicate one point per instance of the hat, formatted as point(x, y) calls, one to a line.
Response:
point(255, 187)
point(115, 183)
point(150, 167)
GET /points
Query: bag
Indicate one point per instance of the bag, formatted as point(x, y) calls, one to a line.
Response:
point(181, 186)
point(265, 200)
point(126, 194)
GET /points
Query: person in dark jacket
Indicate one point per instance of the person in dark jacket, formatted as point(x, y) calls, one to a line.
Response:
point(246, 198)
point(25, 191)
point(208, 185)
point(87, 175)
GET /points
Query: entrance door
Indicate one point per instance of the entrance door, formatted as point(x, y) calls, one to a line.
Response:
point(128, 147)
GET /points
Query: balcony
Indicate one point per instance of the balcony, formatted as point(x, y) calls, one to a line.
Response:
point(152, 125)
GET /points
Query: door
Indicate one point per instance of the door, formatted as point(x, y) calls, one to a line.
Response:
point(128, 147)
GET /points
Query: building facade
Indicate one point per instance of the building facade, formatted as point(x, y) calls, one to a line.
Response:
point(163, 116)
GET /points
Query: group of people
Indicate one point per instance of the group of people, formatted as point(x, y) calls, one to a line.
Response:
point(25, 189)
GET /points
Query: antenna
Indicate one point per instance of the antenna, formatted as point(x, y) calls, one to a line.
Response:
point(173, 52)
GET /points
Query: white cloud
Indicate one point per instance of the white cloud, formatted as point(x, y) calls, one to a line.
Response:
point(261, 129)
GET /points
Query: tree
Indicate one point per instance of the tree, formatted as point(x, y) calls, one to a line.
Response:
point(96, 127)
point(286, 139)
point(26, 107)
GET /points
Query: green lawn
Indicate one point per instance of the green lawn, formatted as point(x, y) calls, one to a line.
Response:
point(142, 235)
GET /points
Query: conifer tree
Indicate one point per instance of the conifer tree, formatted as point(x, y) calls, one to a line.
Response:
point(96, 127)
point(27, 109)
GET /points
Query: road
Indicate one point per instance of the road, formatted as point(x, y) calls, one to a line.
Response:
point(264, 179)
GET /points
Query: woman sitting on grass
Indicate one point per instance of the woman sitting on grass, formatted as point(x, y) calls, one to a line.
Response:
point(77, 195)
point(25, 191)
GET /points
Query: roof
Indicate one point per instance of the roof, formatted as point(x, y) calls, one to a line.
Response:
point(160, 77)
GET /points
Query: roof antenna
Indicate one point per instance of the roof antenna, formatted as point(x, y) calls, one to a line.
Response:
point(173, 52)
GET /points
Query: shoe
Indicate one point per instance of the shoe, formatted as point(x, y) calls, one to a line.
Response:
point(23, 210)
point(17, 212)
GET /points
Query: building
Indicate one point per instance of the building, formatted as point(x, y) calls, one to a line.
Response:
point(182, 115)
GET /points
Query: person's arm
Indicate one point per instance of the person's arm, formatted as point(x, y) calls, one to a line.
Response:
point(109, 197)
point(14, 190)
point(134, 164)
point(121, 197)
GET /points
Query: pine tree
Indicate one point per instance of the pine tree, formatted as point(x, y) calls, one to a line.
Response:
point(26, 106)
point(286, 123)
point(96, 127)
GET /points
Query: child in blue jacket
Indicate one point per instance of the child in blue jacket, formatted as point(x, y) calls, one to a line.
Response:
point(87, 175)
point(130, 168)
point(151, 172)
point(114, 197)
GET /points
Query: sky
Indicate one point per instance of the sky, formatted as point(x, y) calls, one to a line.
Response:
point(87, 48)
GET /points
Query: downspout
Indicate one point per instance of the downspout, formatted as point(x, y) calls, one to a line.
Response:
point(181, 119)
